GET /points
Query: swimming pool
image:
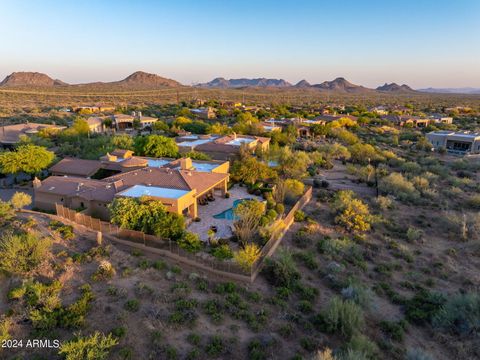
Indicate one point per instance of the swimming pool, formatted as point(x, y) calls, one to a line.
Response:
point(229, 213)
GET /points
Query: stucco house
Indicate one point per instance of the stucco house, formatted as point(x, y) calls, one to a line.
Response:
point(178, 189)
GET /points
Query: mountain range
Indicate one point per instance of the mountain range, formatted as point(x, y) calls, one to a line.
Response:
point(143, 80)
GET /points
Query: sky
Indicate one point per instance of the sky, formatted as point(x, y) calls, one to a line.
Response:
point(421, 43)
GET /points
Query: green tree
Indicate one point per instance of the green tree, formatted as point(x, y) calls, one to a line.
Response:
point(27, 158)
point(156, 146)
point(250, 170)
point(20, 199)
point(146, 215)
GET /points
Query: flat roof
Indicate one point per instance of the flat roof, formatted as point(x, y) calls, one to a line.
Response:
point(155, 191)
point(194, 142)
point(157, 162)
point(239, 141)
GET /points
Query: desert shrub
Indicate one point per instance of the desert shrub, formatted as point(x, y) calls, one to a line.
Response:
point(325, 354)
point(214, 309)
point(384, 202)
point(73, 316)
point(104, 271)
point(474, 201)
point(358, 293)
point(279, 208)
point(222, 252)
point(396, 184)
point(215, 347)
point(190, 242)
point(132, 305)
point(20, 199)
point(395, 330)
point(350, 212)
point(6, 212)
point(302, 238)
point(360, 346)
point(247, 256)
point(293, 190)
point(299, 216)
point(5, 325)
point(65, 231)
point(308, 259)
point(343, 316)
point(281, 270)
point(460, 315)
point(414, 234)
point(22, 253)
point(423, 306)
point(94, 347)
point(184, 312)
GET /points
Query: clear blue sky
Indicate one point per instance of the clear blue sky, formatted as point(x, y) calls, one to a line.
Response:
point(418, 42)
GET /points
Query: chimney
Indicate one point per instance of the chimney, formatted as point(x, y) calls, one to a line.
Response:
point(37, 183)
point(185, 163)
point(234, 135)
point(134, 114)
point(117, 184)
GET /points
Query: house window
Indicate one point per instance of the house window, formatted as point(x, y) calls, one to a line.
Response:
point(82, 205)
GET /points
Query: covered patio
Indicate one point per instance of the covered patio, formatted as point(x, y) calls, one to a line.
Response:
point(207, 212)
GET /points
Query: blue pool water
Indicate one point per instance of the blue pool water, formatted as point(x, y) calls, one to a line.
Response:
point(229, 214)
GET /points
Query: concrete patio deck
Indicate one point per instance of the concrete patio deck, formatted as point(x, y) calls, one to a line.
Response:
point(206, 213)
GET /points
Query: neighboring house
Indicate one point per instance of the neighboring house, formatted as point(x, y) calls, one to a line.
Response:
point(403, 120)
point(123, 121)
point(179, 190)
point(455, 142)
point(379, 110)
point(95, 124)
point(204, 113)
point(222, 147)
point(330, 118)
point(121, 161)
point(441, 119)
point(126, 122)
point(76, 167)
point(10, 134)
point(94, 109)
point(270, 126)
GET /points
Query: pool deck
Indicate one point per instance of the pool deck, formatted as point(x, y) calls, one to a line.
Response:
point(206, 212)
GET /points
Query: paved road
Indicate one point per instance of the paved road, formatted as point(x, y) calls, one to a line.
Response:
point(6, 194)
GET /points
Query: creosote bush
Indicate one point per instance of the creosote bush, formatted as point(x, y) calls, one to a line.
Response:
point(94, 347)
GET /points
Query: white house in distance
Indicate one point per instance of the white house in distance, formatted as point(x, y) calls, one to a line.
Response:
point(461, 143)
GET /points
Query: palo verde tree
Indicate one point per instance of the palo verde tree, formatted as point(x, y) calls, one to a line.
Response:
point(30, 159)
point(248, 213)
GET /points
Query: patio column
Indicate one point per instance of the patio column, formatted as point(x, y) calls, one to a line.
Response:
point(192, 210)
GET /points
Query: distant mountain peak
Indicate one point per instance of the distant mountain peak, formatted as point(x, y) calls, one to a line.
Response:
point(29, 78)
point(394, 87)
point(302, 84)
point(221, 82)
point(340, 84)
point(142, 78)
